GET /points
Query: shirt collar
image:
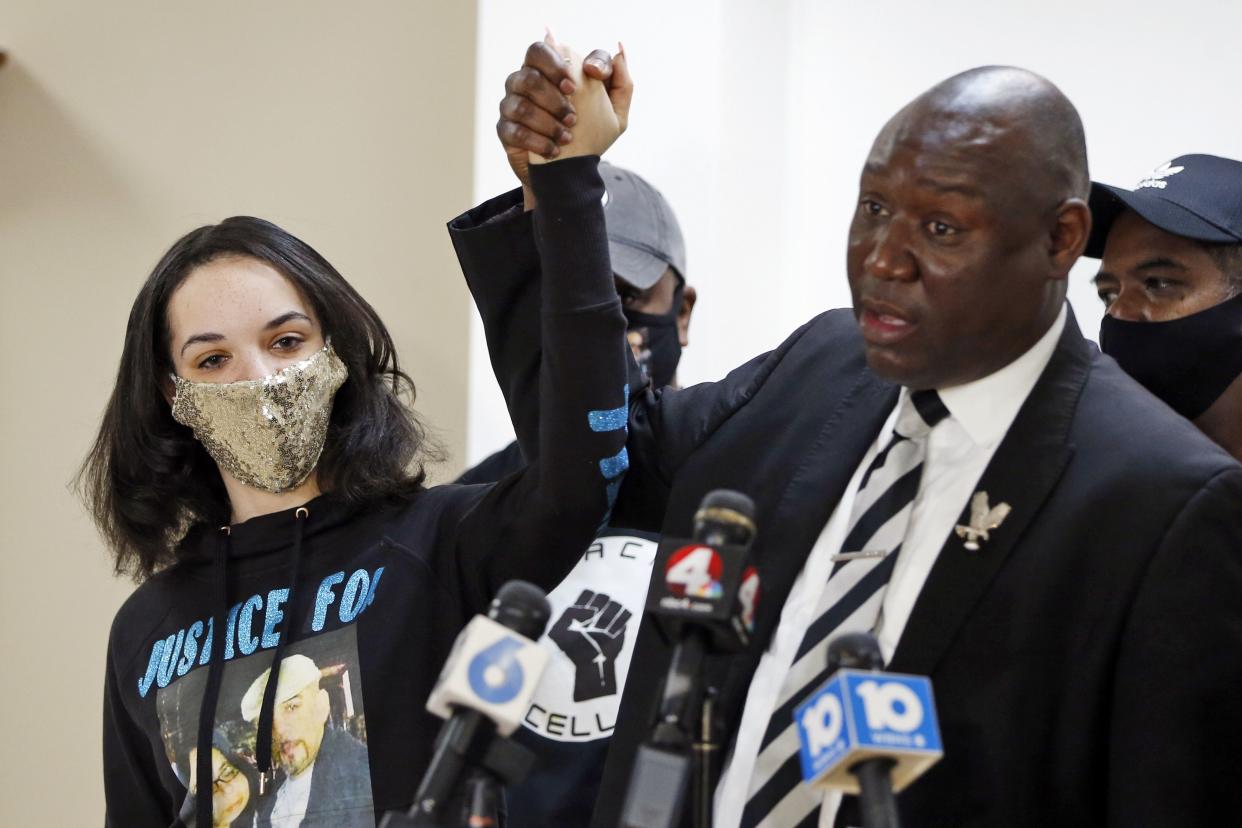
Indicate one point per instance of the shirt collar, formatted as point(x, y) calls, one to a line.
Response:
point(986, 407)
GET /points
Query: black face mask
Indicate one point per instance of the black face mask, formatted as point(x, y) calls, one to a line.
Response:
point(1187, 362)
point(656, 341)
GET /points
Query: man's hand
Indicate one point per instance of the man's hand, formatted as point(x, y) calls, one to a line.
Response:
point(550, 94)
point(600, 121)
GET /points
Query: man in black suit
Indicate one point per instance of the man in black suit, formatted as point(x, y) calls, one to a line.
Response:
point(1085, 640)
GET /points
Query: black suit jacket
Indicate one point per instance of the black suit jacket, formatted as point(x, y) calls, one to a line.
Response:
point(1086, 661)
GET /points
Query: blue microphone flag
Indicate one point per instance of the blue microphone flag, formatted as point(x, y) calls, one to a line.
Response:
point(863, 714)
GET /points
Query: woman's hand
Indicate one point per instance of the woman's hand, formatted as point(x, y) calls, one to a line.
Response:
point(539, 114)
point(602, 111)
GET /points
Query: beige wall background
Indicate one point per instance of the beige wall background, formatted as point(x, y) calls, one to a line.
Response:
point(122, 126)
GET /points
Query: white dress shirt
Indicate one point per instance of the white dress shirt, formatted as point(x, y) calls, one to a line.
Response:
point(291, 800)
point(959, 448)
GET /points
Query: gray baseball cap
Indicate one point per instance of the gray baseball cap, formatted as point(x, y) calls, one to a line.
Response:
point(643, 235)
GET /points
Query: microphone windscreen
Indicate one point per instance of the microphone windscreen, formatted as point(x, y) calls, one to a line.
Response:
point(725, 516)
point(521, 607)
point(729, 499)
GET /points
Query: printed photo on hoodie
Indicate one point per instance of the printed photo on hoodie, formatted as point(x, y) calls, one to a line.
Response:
point(319, 737)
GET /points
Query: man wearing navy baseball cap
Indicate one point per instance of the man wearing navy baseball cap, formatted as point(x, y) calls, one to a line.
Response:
point(1171, 279)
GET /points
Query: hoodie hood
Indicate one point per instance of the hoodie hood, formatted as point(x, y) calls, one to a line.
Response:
point(266, 535)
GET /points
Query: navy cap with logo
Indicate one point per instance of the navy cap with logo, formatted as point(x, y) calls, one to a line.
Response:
point(644, 238)
point(1195, 196)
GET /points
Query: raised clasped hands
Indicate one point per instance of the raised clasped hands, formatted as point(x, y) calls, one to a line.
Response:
point(559, 105)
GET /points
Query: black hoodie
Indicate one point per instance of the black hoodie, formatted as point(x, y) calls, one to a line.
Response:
point(375, 594)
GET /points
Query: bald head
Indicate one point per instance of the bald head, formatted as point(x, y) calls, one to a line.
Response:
point(1017, 116)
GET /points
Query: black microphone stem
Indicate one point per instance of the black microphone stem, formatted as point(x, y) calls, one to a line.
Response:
point(706, 758)
point(460, 740)
point(483, 801)
point(876, 802)
point(683, 691)
point(687, 720)
point(683, 749)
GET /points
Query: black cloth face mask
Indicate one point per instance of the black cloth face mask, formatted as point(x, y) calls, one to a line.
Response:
point(1187, 362)
point(660, 347)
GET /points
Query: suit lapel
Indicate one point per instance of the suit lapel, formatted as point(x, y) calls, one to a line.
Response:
point(1022, 473)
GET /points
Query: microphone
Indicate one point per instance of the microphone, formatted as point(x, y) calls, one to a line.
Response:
point(707, 581)
point(484, 691)
point(867, 732)
point(705, 603)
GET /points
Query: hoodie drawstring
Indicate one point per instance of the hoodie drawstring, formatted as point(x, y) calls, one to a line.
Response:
point(263, 738)
point(211, 695)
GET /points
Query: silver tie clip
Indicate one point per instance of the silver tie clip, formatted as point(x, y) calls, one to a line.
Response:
point(853, 556)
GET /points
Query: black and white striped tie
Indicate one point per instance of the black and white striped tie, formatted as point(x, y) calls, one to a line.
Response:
point(850, 602)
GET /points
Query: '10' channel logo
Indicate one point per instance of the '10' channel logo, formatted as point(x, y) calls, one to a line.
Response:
point(860, 714)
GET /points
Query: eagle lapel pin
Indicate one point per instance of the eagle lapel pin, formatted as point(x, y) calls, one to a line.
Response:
point(982, 520)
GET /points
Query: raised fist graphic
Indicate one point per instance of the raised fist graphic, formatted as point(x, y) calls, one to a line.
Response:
point(591, 633)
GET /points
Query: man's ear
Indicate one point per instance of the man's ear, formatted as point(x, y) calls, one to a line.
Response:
point(1070, 231)
point(688, 297)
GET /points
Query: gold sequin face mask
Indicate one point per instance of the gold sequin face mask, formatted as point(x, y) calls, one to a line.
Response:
point(267, 433)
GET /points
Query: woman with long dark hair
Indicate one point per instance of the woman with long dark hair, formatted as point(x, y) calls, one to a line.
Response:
point(259, 471)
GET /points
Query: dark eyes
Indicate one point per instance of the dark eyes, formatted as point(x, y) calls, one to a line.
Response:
point(1154, 286)
point(631, 295)
point(937, 229)
point(212, 361)
point(872, 208)
point(287, 343)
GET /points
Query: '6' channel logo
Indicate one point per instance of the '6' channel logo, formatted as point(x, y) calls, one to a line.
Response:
point(495, 673)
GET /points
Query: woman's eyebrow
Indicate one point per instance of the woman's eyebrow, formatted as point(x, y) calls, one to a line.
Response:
point(202, 337)
point(275, 323)
point(289, 316)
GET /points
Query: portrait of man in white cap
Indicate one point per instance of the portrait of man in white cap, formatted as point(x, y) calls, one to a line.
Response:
point(326, 774)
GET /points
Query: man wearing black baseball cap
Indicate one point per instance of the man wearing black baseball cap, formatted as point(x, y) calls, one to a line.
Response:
point(1171, 279)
